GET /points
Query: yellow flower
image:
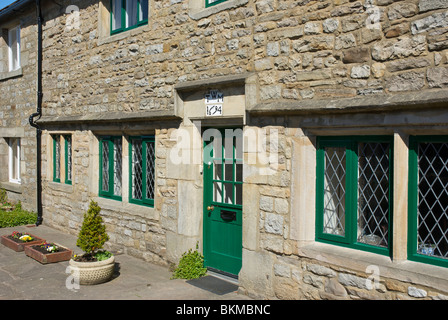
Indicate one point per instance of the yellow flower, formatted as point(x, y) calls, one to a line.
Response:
point(26, 238)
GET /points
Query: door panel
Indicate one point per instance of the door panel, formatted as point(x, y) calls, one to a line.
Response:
point(223, 201)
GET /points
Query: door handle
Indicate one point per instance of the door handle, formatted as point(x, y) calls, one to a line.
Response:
point(210, 208)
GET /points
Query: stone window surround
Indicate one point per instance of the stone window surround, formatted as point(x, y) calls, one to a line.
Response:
point(110, 204)
point(17, 30)
point(6, 133)
point(4, 46)
point(112, 174)
point(11, 74)
point(11, 159)
point(196, 11)
point(104, 25)
point(63, 154)
point(50, 155)
point(93, 169)
point(123, 27)
point(302, 229)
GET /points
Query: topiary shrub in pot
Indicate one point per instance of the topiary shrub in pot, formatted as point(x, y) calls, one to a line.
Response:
point(95, 265)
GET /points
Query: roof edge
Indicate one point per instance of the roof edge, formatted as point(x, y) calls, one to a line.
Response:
point(13, 7)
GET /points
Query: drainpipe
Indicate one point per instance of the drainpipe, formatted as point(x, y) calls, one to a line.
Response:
point(38, 114)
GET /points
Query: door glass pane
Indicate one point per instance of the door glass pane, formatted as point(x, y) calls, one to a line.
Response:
point(217, 170)
point(228, 170)
point(239, 171)
point(433, 199)
point(228, 193)
point(238, 193)
point(334, 191)
point(217, 146)
point(116, 14)
point(217, 191)
point(105, 165)
point(373, 193)
point(131, 13)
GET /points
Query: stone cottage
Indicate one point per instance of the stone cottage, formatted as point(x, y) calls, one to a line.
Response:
point(302, 144)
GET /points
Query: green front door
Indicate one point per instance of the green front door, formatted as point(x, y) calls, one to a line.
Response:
point(223, 193)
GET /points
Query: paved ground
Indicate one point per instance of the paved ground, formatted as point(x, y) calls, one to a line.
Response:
point(22, 277)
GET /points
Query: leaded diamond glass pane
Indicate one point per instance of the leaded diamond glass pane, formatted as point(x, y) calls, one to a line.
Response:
point(137, 169)
point(373, 193)
point(105, 165)
point(58, 158)
point(150, 170)
point(433, 199)
point(117, 167)
point(68, 141)
point(334, 191)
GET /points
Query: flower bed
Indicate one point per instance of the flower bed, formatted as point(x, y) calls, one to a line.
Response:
point(48, 252)
point(18, 241)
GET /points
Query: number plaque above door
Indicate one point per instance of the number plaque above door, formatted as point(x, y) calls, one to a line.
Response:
point(214, 101)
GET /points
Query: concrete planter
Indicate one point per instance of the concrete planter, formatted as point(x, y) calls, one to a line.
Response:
point(50, 257)
point(20, 246)
point(90, 273)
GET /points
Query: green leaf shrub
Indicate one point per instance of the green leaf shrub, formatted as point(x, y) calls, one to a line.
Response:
point(16, 218)
point(92, 235)
point(191, 265)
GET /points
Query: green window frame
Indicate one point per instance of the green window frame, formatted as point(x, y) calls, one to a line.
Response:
point(210, 3)
point(56, 158)
point(110, 157)
point(142, 173)
point(354, 192)
point(68, 159)
point(127, 15)
point(428, 200)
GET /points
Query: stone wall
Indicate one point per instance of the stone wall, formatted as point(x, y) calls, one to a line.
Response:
point(306, 279)
point(17, 103)
point(299, 50)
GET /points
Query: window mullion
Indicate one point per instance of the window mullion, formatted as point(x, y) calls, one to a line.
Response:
point(123, 15)
point(352, 192)
point(138, 12)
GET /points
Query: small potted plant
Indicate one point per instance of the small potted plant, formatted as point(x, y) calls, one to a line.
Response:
point(95, 265)
point(48, 252)
point(17, 241)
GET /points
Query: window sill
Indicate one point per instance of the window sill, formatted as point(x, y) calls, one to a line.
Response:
point(200, 13)
point(11, 74)
point(127, 208)
point(122, 35)
point(406, 271)
point(11, 186)
point(60, 186)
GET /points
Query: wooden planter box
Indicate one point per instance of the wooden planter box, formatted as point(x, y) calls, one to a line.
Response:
point(44, 258)
point(20, 246)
